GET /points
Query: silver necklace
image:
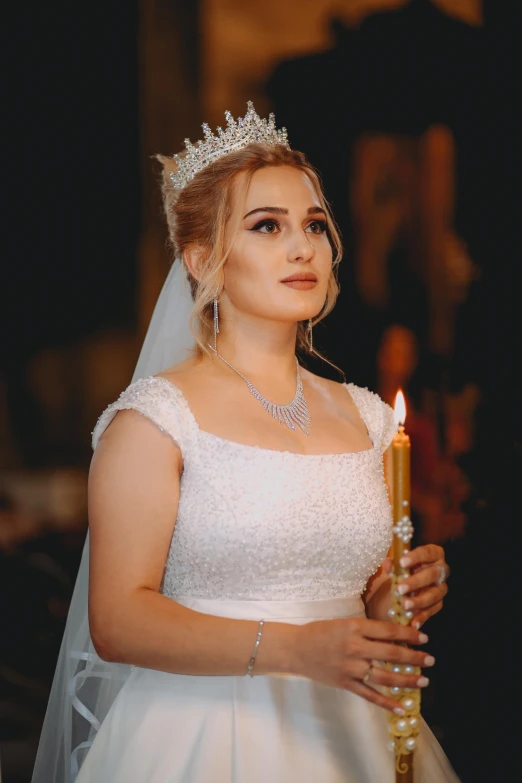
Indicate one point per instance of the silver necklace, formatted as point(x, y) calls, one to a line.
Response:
point(295, 413)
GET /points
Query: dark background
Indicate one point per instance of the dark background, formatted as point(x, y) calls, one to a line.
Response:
point(76, 207)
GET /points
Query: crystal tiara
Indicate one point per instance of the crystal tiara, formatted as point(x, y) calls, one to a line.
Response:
point(237, 135)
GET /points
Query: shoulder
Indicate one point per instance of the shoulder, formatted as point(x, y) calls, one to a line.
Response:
point(362, 398)
point(378, 415)
point(156, 398)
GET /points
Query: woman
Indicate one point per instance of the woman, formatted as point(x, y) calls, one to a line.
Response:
point(231, 536)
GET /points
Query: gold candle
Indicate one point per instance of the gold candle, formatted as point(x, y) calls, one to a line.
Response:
point(401, 492)
point(403, 729)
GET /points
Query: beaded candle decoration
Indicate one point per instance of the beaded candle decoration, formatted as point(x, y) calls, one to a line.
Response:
point(403, 729)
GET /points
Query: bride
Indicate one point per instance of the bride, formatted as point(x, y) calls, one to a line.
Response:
point(230, 616)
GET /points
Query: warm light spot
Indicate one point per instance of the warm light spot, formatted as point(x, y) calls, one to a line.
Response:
point(400, 409)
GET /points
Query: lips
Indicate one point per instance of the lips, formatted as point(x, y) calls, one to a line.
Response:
point(302, 278)
point(300, 283)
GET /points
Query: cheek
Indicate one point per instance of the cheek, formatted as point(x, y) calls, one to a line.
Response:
point(324, 262)
point(246, 277)
point(250, 264)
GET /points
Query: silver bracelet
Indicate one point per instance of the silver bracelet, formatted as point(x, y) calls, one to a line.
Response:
point(254, 651)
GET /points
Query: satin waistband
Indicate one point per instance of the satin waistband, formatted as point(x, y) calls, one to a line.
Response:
point(297, 612)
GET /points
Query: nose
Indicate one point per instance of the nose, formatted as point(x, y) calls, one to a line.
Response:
point(301, 249)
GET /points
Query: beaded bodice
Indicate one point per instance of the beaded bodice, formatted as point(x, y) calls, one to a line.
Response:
point(256, 523)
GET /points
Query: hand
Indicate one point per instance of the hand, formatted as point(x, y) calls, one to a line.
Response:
point(423, 589)
point(344, 654)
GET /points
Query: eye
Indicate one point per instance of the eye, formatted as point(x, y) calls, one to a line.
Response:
point(266, 226)
point(317, 227)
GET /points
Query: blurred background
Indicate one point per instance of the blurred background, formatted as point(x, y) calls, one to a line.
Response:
point(408, 109)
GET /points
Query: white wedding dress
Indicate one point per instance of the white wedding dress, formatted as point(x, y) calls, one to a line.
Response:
point(259, 534)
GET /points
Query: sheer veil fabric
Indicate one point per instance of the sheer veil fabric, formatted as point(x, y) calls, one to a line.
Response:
point(84, 686)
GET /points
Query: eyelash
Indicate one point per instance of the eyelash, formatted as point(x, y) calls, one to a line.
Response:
point(269, 221)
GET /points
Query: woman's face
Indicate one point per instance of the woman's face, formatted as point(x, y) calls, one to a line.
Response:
point(281, 257)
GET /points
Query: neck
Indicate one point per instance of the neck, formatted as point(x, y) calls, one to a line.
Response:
point(260, 348)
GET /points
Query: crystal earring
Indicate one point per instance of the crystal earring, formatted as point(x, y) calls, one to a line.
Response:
point(216, 321)
point(310, 338)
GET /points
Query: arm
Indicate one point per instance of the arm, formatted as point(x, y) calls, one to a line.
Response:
point(133, 501)
point(377, 596)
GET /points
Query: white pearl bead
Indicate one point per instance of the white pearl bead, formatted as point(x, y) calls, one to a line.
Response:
point(409, 669)
point(391, 745)
point(396, 668)
point(391, 612)
point(402, 724)
point(408, 704)
point(408, 615)
point(414, 723)
point(396, 689)
point(411, 743)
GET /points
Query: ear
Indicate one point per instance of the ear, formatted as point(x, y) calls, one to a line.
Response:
point(193, 257)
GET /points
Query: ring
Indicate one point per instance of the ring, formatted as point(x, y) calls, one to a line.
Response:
point(442, 576)
point(367, 673)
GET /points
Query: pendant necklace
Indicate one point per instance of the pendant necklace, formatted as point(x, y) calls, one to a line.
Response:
point(295, 413)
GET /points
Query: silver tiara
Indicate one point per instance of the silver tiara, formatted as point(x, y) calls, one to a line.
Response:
point(238, 134)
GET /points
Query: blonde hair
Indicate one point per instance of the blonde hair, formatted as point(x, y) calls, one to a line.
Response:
point(199, 216)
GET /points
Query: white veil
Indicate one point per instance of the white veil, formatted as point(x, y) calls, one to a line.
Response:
point(85, 686)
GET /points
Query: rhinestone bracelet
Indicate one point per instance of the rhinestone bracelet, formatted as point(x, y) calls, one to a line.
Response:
point(254, 651)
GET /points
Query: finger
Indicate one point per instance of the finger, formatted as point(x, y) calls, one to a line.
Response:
point(423, 566)
point(399, 655)
point(425, 598)
point(392, 632)
point(421, 618)
point(374, 696)
point(409, 677)
point(422, 578)
point(428, 553)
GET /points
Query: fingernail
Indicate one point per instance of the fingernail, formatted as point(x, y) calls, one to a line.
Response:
point(422, 682)
point(403, 588)
point(399, 711)
point(423, 638)
point(429, 660)
point(409, 604)
point(405, 562)
point(417, 624)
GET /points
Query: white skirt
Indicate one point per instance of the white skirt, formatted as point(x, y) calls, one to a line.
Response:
point(173, 728)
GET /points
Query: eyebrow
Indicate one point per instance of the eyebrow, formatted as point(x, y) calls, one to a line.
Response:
point(284, 211)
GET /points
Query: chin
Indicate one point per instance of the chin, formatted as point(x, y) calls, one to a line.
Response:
point(305, 304)
point(303, 314)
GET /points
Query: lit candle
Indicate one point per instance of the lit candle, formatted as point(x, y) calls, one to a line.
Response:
point(401, 492)
point(404, 730)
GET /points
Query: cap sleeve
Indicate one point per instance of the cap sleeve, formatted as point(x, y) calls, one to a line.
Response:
point(376, 414)
point(389, 426)
point(154, 397)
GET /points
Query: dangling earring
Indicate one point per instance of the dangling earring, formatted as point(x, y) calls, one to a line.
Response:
point(216, 321)
point(310, 339)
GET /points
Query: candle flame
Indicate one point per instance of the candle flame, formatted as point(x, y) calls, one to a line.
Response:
point(400, 409)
